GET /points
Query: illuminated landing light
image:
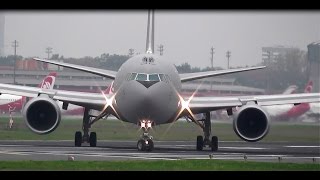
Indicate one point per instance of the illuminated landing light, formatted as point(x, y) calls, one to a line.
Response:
point(145, 124)
point(109, 103)
point(185, 106)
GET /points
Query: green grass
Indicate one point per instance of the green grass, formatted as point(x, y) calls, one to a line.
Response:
point(158, 165)
point(118, 130)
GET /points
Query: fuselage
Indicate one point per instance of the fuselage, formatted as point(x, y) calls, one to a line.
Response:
point(147, 88)
point(10, 103)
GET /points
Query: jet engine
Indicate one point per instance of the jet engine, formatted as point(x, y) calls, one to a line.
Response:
point(251, 123)
point(42, 114)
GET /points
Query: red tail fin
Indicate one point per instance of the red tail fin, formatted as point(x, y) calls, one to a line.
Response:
point(48, 81)
point(109, 90)
point(309, 86)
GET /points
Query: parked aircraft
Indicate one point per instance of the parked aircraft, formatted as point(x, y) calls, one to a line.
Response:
point(147, 92)
point(13, 103)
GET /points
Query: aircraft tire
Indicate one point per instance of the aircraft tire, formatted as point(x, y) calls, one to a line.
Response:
point(78, 139)
point(214, 143)
point(199, 143)
point(93, 139)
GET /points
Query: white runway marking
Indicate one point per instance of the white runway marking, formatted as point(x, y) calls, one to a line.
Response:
point(303, 146)
point(255, 148)
point(12, 145)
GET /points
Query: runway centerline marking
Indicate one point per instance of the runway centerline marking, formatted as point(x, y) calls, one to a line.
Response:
point(303, 146)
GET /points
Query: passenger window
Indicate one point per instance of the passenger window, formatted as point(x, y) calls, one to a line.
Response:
point(142, 77)
point(154, 77)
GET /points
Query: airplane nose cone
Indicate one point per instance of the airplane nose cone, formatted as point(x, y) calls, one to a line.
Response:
point(156, 102)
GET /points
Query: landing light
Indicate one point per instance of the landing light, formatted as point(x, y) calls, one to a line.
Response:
point(109, 103)
point(146, 124)
point(185, 105)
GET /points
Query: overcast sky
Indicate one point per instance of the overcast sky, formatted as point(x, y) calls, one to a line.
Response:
point(187, 36)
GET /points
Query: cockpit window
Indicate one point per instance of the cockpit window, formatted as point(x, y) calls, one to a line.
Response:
point(133, 76)
point(162, 77)
point(147, 77)
point(142, 77)
point(154, 77)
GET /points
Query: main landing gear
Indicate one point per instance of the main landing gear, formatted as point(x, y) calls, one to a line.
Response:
point(145, 143)
point(86, 124)
point(203, 142)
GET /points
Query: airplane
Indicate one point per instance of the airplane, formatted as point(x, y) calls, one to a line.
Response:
point(12, 103)
point(147, 93)
point(287, 112)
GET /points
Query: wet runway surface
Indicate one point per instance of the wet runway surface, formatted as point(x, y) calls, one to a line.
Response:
point(166, 150)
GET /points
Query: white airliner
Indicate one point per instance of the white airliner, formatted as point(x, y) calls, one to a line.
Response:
point(12, 103)
point(147, 93)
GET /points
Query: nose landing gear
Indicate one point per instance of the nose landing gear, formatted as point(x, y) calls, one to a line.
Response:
point(145, 143)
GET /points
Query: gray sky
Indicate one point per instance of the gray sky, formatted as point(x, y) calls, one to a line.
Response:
point(187, 36)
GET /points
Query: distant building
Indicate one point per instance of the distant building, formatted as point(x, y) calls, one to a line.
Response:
point(2, 35)
point(314, 64)
point(272, 53)
point(86, 82)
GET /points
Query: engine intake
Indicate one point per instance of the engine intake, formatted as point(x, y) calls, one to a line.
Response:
point(251, 123)
point(42, 114)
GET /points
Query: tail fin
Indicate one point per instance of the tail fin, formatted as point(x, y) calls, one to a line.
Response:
point(109, 90)
point(150, 33)
point(309, 86)
point(48, 81)
point(291, 90)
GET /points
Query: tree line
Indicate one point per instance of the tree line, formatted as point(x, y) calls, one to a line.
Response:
point(285, 70)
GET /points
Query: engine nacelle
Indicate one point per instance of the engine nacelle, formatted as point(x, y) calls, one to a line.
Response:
point(42, 114)
point(251, 123)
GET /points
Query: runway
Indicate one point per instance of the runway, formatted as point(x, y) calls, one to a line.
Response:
point(164, 150)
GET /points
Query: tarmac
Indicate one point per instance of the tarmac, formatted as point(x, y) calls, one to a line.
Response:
point(295, 152)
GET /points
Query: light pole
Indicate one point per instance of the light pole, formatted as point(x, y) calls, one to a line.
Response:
point(228, 56)
point(212, 52)
point(15, 45)
point(160, 49)
point(48, 51)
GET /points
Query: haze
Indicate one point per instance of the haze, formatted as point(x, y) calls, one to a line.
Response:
point(187, 36)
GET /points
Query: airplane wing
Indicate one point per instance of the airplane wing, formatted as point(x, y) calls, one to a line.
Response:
point(198, 75)
point(100, 72)
point(91, 100)
point(204, 104)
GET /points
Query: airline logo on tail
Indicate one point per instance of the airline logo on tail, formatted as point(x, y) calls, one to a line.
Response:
point(48, 81)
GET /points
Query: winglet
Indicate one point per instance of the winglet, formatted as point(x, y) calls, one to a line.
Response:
point(150, 33)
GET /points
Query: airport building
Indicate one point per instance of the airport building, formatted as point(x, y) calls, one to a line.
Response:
point(272, 53)
point(314, 64)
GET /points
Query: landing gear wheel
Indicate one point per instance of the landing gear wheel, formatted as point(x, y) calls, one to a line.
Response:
point(93, 139)
point(78, 139)
point(149, 146)
point(199, 143)
point(214, 143)
point(141, 145)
